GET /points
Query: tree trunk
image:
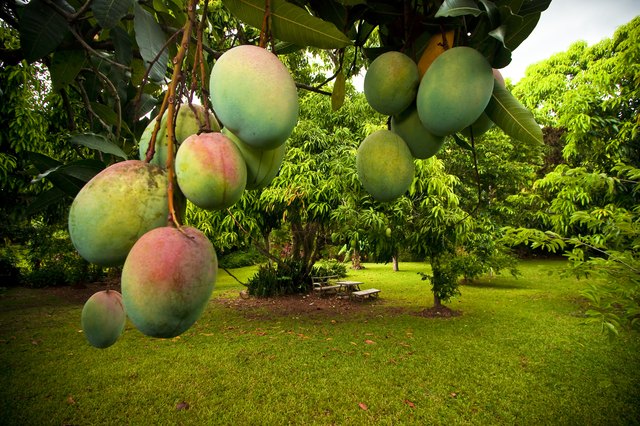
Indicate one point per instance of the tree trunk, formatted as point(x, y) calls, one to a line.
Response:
point(355, 260)
point(437, 304)
point(267, 243)
point(396, 267)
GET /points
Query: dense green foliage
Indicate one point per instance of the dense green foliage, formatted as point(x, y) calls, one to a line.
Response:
point(587, 206)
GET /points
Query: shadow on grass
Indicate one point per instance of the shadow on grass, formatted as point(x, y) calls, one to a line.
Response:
point(497, 284)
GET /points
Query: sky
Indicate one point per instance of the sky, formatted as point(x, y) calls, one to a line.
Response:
point(564, 23)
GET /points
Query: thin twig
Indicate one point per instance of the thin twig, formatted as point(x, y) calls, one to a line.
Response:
point(114, 92)
point(263, 250)
point(148, 70)
point(95, 52)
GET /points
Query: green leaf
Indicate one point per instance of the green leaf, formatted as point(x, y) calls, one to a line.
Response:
point(109, 12)
point(65, 66)
point(42, 29)
point(83, 170)
point(44, 200)
point(290, 23)
point(50, 168)
point(451, 8)
point(123, 45)
point(513, 118)
point(338, 94)
point(98, 142)
point(533, 6)
point(519, 33)
point(462, 143)
point(492, 12)
point(151, 40)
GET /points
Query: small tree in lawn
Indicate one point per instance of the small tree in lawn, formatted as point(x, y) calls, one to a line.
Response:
point(438, 226)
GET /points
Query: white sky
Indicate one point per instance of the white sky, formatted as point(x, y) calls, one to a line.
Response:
point(565, 22)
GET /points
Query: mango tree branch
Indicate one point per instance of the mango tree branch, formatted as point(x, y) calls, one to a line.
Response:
point(170, 97)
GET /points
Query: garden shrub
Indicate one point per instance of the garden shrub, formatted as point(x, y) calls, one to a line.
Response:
point(329, 267)
point(286, 277)
point(241, 258)
point(10, 274)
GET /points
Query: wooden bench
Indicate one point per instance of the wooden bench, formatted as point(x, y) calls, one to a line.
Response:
point(323, 284)
point(365, 294)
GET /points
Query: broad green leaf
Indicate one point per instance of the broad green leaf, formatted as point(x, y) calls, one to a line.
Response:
point(65, 66)
point(519, 33)
point(123, 45)
point(285, 47)
point(83, 170)
point(532, 6)
point(109, 12)
point(332, 12)
point(42, 29)
point(337, 96)
point(451, 8)
point(106, 113)
point(49, 167)
point(462, 143)
point(492, 12)
point(102, 144)
point(151, 40)
point(45, 199)
point(513, 118)
point(290, 23)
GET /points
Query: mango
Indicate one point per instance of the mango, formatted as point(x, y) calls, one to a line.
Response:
point(391, 82)
point(420, 141)
point(115, 208)
point(262, 165)
point(189, 121)
point(454, 91)
point(254, 96)
point(211, 171)
point(483, 123)
point(385, 166)
point(167, 280)
point(103, 318)
point(435, 47)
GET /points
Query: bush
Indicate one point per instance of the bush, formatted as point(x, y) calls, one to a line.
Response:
point(50, 259)
point(329, 267)
point(9, 271)
point(287, 277)
point(241, 258)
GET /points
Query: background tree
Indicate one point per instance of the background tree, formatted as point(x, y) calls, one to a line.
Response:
point(589, 205)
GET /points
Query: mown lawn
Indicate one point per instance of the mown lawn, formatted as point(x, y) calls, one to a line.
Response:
point(519, 353)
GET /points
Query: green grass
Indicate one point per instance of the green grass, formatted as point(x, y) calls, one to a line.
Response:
point(519, 353)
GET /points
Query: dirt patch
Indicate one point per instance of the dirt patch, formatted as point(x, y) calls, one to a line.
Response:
point(309, 305)
point(297, 305)
point(441, 312)
point(78, 294)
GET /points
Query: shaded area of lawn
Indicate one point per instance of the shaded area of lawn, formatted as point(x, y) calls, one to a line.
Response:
point(518, 353)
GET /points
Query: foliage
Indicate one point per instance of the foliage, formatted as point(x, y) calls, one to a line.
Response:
point(587, 207)
point(240, 258)
point(289, 276)
point(328, 268)
point(9, 271)
point(443, 279)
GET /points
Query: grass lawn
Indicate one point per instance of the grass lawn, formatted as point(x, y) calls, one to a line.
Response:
point(518, 353)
